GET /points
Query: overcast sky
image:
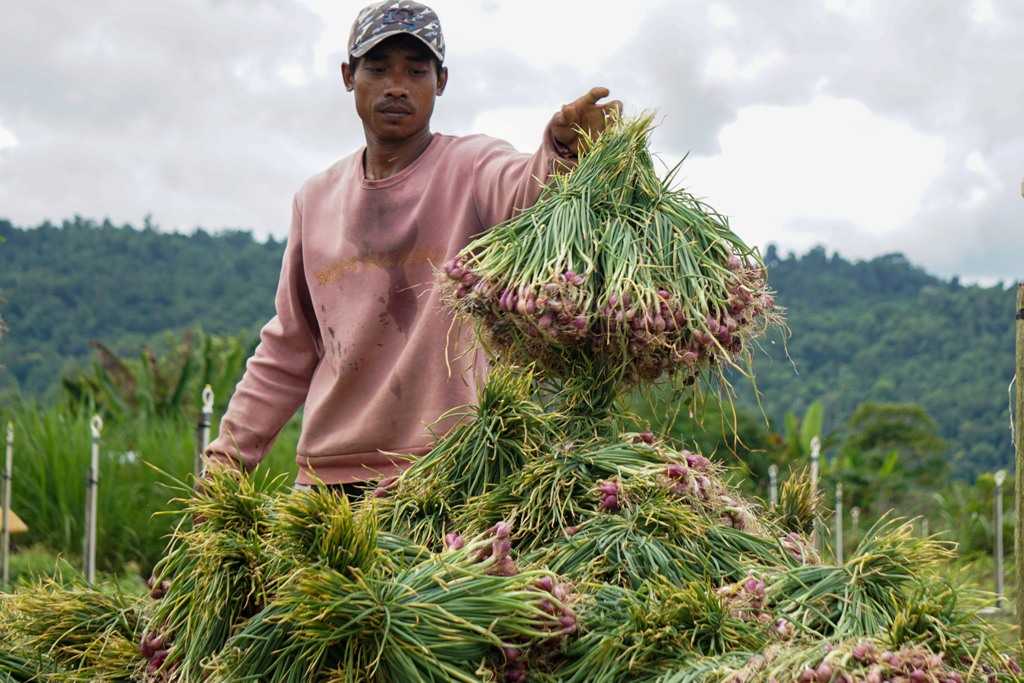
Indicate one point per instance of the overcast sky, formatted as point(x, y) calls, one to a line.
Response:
point(868, 126)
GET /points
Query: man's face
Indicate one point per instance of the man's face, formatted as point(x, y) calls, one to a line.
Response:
point(395, 84)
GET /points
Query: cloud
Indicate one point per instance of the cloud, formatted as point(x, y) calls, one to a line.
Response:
point(7, 138)
point(865, 124)
point(201, 112)
point(925, 75)
point(777, 168)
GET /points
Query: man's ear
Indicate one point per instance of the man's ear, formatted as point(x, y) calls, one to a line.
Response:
point(347, 77)
point(442, 80)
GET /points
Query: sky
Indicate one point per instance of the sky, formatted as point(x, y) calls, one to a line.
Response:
point(867, 126)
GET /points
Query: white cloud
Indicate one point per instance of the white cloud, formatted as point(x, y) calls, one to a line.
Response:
point(541, 33)
point(724, 65)
point(7, 138)
point(782, 169)
point(868, 125)
point(983, 11)
point(976, 163)
point(521, 126)
point(720, 16)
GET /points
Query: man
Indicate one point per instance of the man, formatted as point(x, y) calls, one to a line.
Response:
point(360, 335)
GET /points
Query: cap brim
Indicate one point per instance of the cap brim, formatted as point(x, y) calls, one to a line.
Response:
point(377, 40)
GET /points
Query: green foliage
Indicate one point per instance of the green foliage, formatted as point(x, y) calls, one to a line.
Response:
point(80, 281)
point(168, 385)
point(885, 331)
point(890, 455)
point(33, 563)
point(139, 459)
point(881, 330)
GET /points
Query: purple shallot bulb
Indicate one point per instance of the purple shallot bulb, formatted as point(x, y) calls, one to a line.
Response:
point(861, 652)
point(696, 461)
point(156, 661)
point(545, 583)
point(145, 647)
point(506, 566)
point(568, 622)
point(500, 548)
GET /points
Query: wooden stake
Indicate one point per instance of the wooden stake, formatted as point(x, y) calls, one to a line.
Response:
point(5, 502)
point(1018, 434)
point(203, 431)
point(91, 499)
point(838, 540)
point(815, 455)
point(1000, 478)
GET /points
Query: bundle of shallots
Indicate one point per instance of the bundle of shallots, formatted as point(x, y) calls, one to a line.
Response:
point(614, 264)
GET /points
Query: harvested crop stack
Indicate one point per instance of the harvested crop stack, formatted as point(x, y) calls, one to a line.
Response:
point(437, 620)
point(539, 541)
point(493, 441)
point(68, 631)
point(211, 577)
point(614, 264)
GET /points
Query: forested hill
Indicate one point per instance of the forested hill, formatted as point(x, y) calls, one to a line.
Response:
point(70, 283)
point(881, 330)
point(884, 330)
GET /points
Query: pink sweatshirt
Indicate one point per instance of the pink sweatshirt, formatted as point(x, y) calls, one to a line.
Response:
point(360, 335)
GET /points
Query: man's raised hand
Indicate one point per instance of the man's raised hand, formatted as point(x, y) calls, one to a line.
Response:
point(584, 113)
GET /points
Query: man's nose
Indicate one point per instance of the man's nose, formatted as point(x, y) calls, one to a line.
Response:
point(395, 87)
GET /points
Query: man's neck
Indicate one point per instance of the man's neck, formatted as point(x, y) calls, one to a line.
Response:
point(384, 159)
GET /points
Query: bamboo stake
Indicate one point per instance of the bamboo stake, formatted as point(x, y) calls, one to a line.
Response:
point(839, 523)
point(91, 499)
point(1019, 446)
point(203, 430)
point(815, 455)
point(1000, 478)
point(5, 523)
point(773, 485)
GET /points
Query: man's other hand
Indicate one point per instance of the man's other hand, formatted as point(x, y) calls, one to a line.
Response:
point(586, 114)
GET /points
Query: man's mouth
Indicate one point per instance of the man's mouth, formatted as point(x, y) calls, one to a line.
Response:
point(395, 110)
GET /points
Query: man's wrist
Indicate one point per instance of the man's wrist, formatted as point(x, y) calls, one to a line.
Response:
point(563, 150)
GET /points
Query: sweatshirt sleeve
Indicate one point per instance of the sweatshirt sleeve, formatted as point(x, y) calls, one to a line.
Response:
point(506, 181)
point(277, 376)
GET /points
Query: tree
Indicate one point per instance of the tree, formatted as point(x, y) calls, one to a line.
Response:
point(891, 455)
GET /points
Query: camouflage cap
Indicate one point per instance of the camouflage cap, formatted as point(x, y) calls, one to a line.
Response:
point(381, 20)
